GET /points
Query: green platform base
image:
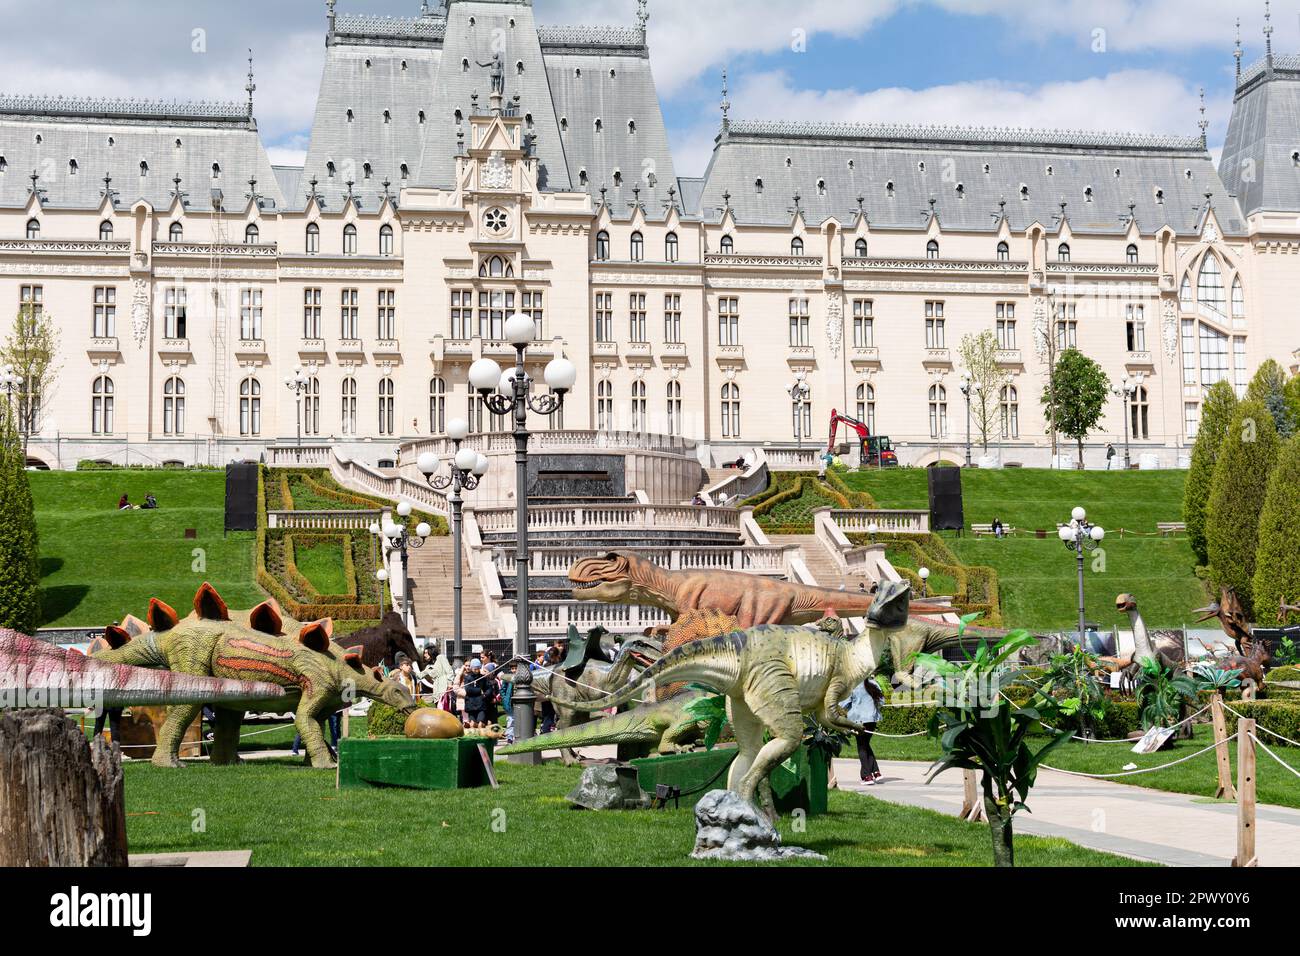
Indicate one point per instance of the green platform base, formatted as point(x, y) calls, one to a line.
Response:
point(798, 784)
point(417, 764)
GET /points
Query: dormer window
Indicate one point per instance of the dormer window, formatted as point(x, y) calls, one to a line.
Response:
point(961, 190)
point(1050, 170)
point(564, 124)
point(852, 164)
point(789, 162)
point(1087, 194)
point(920, 167)
point(889, 189)
point(631, 127)
point(105, 231)
point(421, 116)
point(821, 187)
point(1187, 174)
point(144, 168)
point(40, 139)
point(1117, 172)
point(388, 116)
point(1024, 192)
point(216, 170)
point(406, 171)
point(577, 72)
point(464, 65)
point(796, 246)
point(72, 167)
point(403, 66)
point(367, 63)
point(932, 249)
point(519, 67)
point(4, 164)
point(758, 185)
point(459, 116)
point(1160, 196)
point(986, 169)
point(618, 178)
point(351, 116)
point(612, 74)
point(111, 140)
point(329, 170)
point(178, 144)
point(599, 125)
point(366, 170)
point(582, 177)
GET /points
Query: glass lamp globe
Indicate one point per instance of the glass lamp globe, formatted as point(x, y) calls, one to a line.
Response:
point(466, 459)
point(560, 375)
point(374, 527)
point(480, 465)
point(1065, 533)
point(1078, 514)
point(872, 528)
point(404, 509)
point(422, 530)
point(1097, 532)
point(458, 429)
point(506, 384)
point(923, 574)
point(519, 329)
point(427, 463)
point(381, 575)
point(484, 375)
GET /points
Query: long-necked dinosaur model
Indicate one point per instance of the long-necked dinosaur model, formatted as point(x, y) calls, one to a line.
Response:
point(621, 577)
point(772, 675)
point(1166, 647)
point(36, 673)
point(318, 677)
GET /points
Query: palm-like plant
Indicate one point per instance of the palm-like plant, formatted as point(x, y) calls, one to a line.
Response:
point(1216, 679)
point(979, 729)
point(1160, 692)
point(1070, 679)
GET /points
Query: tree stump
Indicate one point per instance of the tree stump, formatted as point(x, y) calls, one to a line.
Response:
point(60, 797)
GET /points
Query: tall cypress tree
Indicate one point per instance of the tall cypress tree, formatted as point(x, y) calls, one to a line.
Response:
point(1216, 410)
point(1237, 495)
point(1277, 559)
point(20, 576)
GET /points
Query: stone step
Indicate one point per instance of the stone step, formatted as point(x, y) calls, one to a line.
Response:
point(823, 567)
point(430, 569)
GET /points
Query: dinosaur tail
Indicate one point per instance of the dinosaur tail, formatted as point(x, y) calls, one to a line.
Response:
point(620, 728)
point(714, 662)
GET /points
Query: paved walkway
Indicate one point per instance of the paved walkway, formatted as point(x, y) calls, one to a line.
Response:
point(1171, 828)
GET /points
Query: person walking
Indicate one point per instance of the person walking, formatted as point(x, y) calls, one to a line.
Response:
point(863, 707)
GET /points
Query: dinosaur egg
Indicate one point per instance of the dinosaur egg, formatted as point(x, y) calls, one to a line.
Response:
point(430, 724)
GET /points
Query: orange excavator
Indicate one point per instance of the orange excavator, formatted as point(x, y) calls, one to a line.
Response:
point(877, 452)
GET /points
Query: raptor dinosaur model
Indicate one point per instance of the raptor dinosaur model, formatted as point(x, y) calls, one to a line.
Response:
point(667, 726)
point(772, 675)
point(317, 676)
point(1253, 652)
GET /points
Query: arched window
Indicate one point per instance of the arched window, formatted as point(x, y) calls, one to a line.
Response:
point(251, 234)
point(311, 407)
point(604, 405)
point(313, 238)
point(602, 246)
point(727, 246)
point(1004, 252)
point(670, 247)
point(801, 414)
point(1131, 254)
point(1140, 413)
point(72, 167)
point(387, 403)
point(730, 410)
point(796, 246)
point(144, 168)
point(674, 394)
point(329, 170)
point(366, 170)
point(349, 409)
point(176, 232)
point(174, 406)
point(405, 171)
point(932, 249)
point(437, 405)
point(1209, 285)
point(1185, 294)
point(216, 170)
point(101, 406)
point(349, 240)
point(938, 411)
point(1063, 252)
point(1238, 299)
point(637, 247)
point(33, 229)
point(105, 231)
point(495, 267)
point(385, 240)
point(860, 248)
point(250, 407)
point(866, 401)
point(1009, 399)
point(638, 406)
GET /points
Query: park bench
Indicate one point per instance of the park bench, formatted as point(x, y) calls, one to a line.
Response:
point(1170, 527)
point(987, 529)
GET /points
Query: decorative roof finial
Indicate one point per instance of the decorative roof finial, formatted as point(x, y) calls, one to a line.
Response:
point(1236, 55)
point(726, 104)
point(250, 86)
point(350, 183)
point(35, 176)
point(672, 198)
point(176, 181)
point(424, 8)
point(313, 194)
point(329, 18)
point(1204, 124)
point(642, 16)
point(1268, 33)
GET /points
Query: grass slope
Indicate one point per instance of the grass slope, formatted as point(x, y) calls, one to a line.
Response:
point(98, 564)
point(321, 563)
point(1037, 578)
point(290, 815)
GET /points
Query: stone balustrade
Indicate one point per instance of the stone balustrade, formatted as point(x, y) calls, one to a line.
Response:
point(323, 520)
point(792, 459)
point(299, 456)
point(770, 560)
point(903, 520)
point(609, 517)
point(555, 618)
point(556, 440)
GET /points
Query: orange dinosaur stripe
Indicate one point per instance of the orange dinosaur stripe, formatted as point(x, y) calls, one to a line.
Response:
point(244, 665)
point(258, 648)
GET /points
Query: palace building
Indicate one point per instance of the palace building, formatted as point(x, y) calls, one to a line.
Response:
point(469, 163)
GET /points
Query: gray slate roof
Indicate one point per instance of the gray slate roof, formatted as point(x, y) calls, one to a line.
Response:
point(831, 165)
point(1263, 133)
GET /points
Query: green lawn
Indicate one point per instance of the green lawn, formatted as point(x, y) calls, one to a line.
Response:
point(321, 563)
point(1037, 577)
point(1198, 776)
point(291, 815)
point(98, 564)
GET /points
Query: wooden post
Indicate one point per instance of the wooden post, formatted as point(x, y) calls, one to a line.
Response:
point(60, 796)
point(1221, 756)
point(1245, 794)
point(972, 806)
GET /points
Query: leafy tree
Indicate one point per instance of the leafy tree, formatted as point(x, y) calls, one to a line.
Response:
point(20, 576)
point(1269, 387)
point(1237, 494)
point(1074, 403)
point(1216, 410)
point(979, 356)
point(32, 350)
point(1277, 558)
point(1292, 393)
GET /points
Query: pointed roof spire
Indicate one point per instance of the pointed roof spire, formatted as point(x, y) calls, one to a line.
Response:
point(329, 17)
point(726, 103)
point(1236, 54)
point(1204, 124)
point(250, 86)
point(642, 16)
point(1268, 33)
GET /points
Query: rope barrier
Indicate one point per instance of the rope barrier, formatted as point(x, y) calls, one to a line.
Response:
point(1274, 733)
point(205, 742)
point(1130, 773)
point(1264, 747)
point(1113, 740)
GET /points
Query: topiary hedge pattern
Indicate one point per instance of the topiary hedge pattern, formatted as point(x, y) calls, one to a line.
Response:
point(786, 506)
point(385, 721)
point(975, 586)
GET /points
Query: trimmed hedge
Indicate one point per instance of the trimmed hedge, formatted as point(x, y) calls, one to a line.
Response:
point(802, 493)
point(385, 721)
point(976, 586)
point(308, 540)
point(1280, 716)
point(1283, 673)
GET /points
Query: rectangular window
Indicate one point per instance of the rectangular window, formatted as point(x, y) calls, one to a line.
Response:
point(250, 314)
point(798, 322)
point(728, 321)
point(1135, 328)
point(349, 309)
point(387, 315)
point(1239, 361)
point(494, 307)
point(531, 306)
point(934, 337)
point(672, 318)
point(1191, 418)
point(311, 313)
point(1189, 351)
point(462, 313)
point(1005, 315)
point(604, 317)
point(1214, 356)
point(636, 320)
point(31, 298)
point(174, 309)
point(1067, 328)
point(105, 325)
point(864, 332)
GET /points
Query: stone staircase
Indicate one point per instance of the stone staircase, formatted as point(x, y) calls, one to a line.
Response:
point(431, 592)
point(819, 562)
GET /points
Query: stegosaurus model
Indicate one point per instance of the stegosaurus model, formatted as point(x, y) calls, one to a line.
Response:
point(318, 677)
point(772, 676)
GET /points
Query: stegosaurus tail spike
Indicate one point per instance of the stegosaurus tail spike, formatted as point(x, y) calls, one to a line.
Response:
point(161, 616)
point(208, 604)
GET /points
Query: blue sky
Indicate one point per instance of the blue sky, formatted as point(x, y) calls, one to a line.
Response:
point(977, 62)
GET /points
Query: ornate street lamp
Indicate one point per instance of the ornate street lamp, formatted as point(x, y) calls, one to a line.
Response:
point(967, 387)
point(297, 383)
point(513, 397)
point(467, 467)
point(10, 383)
point(1126, 390)
point(403, 539)
point(924, 575)
point(1080, 536)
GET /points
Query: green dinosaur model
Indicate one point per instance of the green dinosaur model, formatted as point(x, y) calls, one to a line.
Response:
point(772, 676)
point(667, 725)
point(319, 678)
